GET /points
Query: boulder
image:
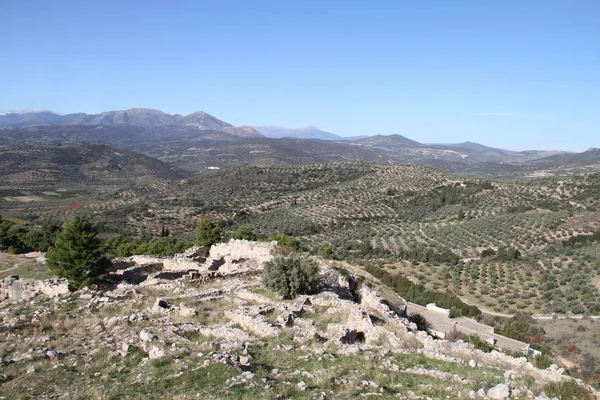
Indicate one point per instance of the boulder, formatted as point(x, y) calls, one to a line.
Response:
point(499, 392)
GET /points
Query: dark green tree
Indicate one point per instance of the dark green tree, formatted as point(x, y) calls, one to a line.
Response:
point(77, 254)
point(13, 237)
point(43, 238)
point(207, 233)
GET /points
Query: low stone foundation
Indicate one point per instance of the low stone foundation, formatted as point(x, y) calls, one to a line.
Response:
point(15, 288)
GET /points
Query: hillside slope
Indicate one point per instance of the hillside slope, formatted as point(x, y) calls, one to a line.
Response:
point(79, 164)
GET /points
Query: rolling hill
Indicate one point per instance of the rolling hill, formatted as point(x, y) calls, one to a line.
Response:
point(79, 164)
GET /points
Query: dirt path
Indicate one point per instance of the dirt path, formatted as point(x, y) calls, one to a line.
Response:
point(11, 268)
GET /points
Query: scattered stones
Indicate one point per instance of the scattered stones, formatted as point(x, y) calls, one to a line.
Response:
point(342, 319)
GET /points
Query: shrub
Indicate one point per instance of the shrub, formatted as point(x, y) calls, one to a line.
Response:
point(291, 276)
point(479, 343)
point(520, 328)
point(326, 251)
point(488, 253)
point(454, 335)
point(284, 240)
point(243, 232)
point(77, 254)
point(419, 320)
point(567, 390)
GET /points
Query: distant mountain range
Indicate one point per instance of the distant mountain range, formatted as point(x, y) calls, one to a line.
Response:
point(309, 132)
point(139, 117)
point(199, 140)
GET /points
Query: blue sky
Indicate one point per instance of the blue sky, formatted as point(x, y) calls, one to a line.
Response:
point(513, 74)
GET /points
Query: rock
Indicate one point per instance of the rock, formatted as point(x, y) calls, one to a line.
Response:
point(499, 392)
point(198, 254)
point(472, 363)
point(185, 311)
point(302, 386)
point(45, 338)
point(286, 318)
point(481, 392)
point(147, 336)
point(510, 374)
point(111, 323)
point(258, 324)
point(51, 354)
point(54, 287)
point(31, 370)
point(160, 306)
point(370, 384)
point(156, 352)
point(245, 361)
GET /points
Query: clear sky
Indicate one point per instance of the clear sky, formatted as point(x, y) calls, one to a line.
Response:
point(516, 74)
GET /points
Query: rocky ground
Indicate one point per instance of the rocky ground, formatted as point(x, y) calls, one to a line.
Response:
point(194, 326)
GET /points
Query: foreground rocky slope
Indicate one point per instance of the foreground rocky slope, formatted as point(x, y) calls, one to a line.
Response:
point(199, 326)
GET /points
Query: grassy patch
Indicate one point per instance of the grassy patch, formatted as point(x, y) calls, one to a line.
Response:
point(29, 270)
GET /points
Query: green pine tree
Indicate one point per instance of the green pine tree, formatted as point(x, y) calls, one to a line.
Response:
point(77, 254)
point(207, 233)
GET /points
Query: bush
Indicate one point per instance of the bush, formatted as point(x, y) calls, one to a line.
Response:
point(284, 240)
point(479, 343)
point(243, 232)
point(291, 276)
point(543, 361)
point(77, 254)
point(326, 251)
point(419, 320)
point(520, 328)
point(488, 253)
point(567, 390)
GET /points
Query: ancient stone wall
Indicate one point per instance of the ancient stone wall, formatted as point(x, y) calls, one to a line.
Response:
point(15, 288)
